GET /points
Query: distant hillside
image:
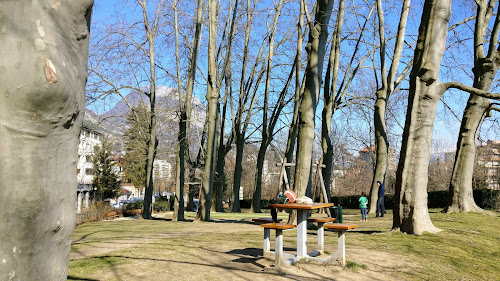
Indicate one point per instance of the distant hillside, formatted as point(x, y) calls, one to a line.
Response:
point(113, 121)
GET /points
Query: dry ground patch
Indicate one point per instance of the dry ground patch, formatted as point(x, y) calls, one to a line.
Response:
point(230, 248)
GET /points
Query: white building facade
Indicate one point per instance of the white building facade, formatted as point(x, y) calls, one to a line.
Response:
point(89, 139)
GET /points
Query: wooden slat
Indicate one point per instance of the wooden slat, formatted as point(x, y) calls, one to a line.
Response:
point(278, 226)
point(320, 219)
point(264, 220)
point(342, 226)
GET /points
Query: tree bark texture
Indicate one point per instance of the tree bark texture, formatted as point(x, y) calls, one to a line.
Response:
point(261, 157)
point(43, 62)
point(460, 197)
point(330, 105)
point(184, 123)
point(382, 148)
point(315, 48)
point(411, 214)
point(147, 208)
point(383, 95)
point(212, 99)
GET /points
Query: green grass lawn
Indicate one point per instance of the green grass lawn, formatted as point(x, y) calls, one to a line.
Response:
point(230, 248)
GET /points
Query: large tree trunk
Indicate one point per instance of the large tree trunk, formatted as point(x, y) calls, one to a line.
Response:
point(460, 197)
point(330, 106)
point(238, 167)
point(212, 99)
point(315, 48)
point(292, 133)
point(44, 64)
point(261, 157)
point(382, 148)
point(411, 214)
point(383, 95)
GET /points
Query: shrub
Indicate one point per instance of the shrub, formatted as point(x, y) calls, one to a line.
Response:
point(95, 212)
point(161, 206)
point(134, 205)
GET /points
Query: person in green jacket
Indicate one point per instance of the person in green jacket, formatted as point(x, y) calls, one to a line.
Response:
point(363, 204)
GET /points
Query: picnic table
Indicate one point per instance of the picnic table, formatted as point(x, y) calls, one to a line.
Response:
point(302, 213)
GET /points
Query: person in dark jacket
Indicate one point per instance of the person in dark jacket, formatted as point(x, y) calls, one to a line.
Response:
point(380, 201)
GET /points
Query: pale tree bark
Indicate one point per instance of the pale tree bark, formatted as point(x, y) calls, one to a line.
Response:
point(411, 214)
point(315, 48)
point(212, 99)
point(44, 66)
point(185, 114)
point(151, 32)
point(383, 94)
point(460, 197)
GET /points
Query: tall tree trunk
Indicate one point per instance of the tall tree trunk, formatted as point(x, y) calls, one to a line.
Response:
point(240, 133)
point(292, 133)
point(212, 99)
point(383, 95)
point(460, 197)
point(266, 126)
point(381, 146)
point(329, 97)
point(261, 158)
point(41, 112)
point(185, 120)
point(315, 48)
point(152, 143)
point(240, 142)
point(411, 214)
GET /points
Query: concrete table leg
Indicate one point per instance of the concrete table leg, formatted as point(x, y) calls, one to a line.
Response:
point(278, 247)
point(301, 233)
point(341, 247)
point(267, 242)
point(321, 237)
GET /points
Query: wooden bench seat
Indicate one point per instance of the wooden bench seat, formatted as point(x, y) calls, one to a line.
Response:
point(264, 220)
point(321, 230)
point(321, 220)
point(112, 215)
point(341, 229)
point(278, 245)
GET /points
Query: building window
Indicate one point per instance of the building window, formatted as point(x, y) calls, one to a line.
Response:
point(88, 158)
point(88, 172)
point(77, 171)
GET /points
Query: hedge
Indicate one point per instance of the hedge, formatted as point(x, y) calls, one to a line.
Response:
point(484, 198)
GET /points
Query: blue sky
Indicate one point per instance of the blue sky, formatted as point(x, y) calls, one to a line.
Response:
point(446, 128)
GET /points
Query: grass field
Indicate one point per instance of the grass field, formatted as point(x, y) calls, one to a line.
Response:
point(230, 248)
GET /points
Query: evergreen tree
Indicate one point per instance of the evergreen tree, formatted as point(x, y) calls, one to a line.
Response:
point(105, 180)
point(136, 139)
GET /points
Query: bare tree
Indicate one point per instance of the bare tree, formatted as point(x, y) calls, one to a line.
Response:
point(185, 104)
point(460, 198)
point(411, 214)
point(389, 83)
point(42, 101)
point(212, 98)
point(315, 48)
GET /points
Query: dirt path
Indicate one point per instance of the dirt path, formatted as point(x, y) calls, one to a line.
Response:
point(177, 255)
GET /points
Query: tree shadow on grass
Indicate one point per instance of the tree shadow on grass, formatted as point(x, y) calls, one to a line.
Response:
point(368, 231)
point(238, 271)
point(81, 279)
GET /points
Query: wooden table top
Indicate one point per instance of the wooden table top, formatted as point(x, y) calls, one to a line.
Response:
point(301, 206)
